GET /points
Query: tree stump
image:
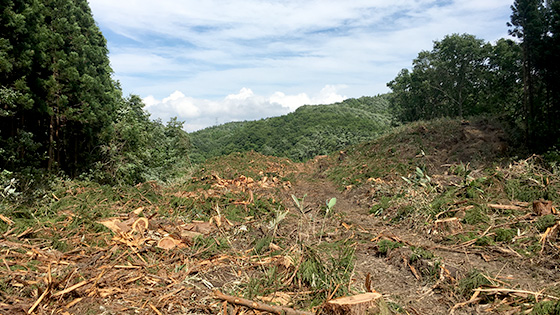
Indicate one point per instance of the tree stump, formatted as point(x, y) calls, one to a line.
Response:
point(542, 207)
point(361, 304)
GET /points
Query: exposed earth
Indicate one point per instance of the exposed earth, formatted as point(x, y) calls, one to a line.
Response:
point(433, 216)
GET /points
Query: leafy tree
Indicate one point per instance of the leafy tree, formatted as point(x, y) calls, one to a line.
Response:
point(303, 134)
point(460, 76)
point(141, 149)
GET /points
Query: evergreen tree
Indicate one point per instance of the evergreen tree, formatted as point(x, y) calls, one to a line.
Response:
point(58, 98)
point(536, 24)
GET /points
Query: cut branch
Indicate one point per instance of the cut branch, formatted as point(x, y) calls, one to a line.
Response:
point(279, 310)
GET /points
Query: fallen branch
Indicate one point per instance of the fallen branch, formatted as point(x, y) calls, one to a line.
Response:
point(72, 288)
point(279, 310)
point(512, 291)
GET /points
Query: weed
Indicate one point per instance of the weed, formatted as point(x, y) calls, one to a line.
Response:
point(311, 269)
point(395, 308)
point(265, 284)
point(273, 224)
point(299, 203)
point(475, 215)
point(443, 201)
point(473, 280)
point(383, 246)
point(402, 213)
point(545, 222)
point(329, 207)
point(206, 247)
point(420, 253)
point(327, 278)
point(505, 235)
point(546, 308)
point(262, 244)
point(419, 178)
point(484, 241)
point(463, 171)
point(383, 204)
point(474, 188)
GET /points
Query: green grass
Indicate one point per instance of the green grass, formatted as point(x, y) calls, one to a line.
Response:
point(383, 246)
point(545, 222)
point(205, 247)
point(546, 308)
point(473, 280)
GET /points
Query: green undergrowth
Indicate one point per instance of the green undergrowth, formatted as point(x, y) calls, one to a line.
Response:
point(474, 279)
point(400, 152)
point(74, 207)
point(459, 190)
point(424, 262)
point(324, 270)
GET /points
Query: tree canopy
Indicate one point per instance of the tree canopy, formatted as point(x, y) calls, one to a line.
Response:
point(60, 109)
point(303, 134)
point(517, 80)
point(461, 76)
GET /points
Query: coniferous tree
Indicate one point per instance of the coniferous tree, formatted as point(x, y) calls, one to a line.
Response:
point(536, 24)
point(58, 97)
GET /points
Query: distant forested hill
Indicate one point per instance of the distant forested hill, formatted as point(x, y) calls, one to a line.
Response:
point(303, 134)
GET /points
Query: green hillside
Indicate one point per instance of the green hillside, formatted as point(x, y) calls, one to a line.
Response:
point(303, 134)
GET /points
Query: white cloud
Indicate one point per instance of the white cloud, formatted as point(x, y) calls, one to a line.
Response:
point(245, 105)
point(206, 49)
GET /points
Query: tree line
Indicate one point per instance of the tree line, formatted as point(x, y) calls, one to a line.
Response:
point(60, 109)
point(309, 131)
point(515, 80)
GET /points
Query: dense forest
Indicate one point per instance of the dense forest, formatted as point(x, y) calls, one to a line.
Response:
point(61, 112)
point(517, 81)
point(303, 134)
point(60, 109)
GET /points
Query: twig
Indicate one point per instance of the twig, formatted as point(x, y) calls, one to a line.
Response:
point(72, 288)
point(155, 309)
point(45, 293)
point(279, 310)
point(474, 298)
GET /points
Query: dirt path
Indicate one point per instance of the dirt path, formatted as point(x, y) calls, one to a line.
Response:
point(429, 286)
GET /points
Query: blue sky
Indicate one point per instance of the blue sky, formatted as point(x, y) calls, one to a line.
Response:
point(211, 61)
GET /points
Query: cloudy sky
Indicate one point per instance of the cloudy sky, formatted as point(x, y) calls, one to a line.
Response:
point(215, 61)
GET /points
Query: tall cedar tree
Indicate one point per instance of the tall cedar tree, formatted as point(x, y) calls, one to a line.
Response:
point(57, 95)
point(537, 24)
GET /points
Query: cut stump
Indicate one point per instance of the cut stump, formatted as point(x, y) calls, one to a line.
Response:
point(361, 304)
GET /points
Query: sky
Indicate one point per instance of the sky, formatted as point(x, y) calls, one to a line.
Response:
point(209, 62)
